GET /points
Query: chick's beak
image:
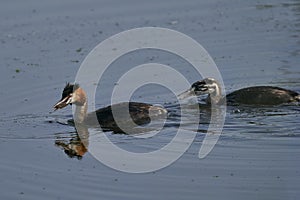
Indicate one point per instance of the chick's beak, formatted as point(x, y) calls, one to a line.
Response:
point(63, 103)
point(188, 93)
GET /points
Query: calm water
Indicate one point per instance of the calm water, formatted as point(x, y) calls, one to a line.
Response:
point(42, 46)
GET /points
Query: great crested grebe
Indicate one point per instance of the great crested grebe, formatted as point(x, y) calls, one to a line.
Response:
point(257, 95)
point(141, 113)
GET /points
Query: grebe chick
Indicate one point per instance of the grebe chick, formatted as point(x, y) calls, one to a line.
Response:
point(140, 113)
point(257, 95)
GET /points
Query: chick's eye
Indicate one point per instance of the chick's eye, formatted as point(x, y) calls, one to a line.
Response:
point(203, 88)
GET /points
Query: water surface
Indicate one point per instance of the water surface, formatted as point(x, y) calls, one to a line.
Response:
point(42, 46)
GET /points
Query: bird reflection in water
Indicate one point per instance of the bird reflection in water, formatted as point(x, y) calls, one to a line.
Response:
point(77, 144)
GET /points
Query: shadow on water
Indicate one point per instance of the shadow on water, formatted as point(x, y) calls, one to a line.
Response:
point(261, 122)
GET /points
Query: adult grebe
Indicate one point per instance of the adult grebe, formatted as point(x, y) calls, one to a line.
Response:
point(141, 113)
point(257, 95)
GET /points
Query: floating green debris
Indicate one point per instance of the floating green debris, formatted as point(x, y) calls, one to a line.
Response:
point(33, 64)
point(18, 70)
point(265, 6)
point(79, 50)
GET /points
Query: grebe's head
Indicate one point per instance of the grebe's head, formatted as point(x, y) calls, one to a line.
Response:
point(72, 93)
point(205, 86)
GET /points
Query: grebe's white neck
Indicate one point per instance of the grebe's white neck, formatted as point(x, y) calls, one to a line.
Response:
point(80, 112)
point(80, 101)
point(215, 96)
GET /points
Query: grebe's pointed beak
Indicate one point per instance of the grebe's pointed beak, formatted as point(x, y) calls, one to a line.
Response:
point(63, 103)
point(188, 93)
